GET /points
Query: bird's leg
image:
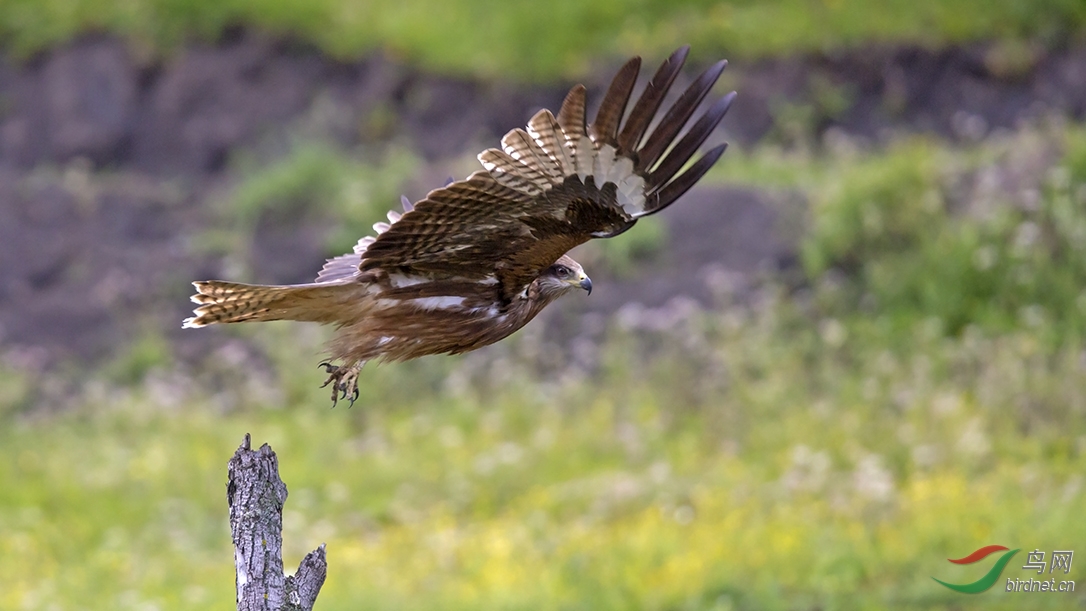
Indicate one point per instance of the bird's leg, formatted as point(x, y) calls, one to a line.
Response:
point(344, 380)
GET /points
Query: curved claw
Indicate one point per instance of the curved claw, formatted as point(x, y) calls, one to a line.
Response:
point(344, 381)
point(332, 371)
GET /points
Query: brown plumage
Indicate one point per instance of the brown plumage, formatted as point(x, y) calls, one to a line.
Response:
point(479, 258)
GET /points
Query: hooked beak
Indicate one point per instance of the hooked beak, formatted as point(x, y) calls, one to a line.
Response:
point(586, 284)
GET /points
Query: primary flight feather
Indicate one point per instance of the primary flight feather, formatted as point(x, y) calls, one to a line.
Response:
point(476, 260)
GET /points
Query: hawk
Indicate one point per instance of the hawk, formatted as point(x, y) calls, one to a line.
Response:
point(477, 259)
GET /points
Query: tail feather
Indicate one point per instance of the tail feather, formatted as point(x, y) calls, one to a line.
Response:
point(228, 302)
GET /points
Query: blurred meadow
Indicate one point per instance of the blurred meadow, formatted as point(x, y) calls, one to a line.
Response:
point(820, 436)
point(487, 37)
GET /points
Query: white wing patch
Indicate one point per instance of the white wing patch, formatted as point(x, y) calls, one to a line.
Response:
point(400, 280)
point(490, 311)
point(439, 303)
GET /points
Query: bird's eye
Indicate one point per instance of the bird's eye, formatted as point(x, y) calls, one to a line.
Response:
point(562, 271)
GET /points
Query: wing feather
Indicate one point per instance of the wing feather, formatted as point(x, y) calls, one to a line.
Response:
point(685, 149)
point(571, 114)
point(553, 185)
point(513, 173)
point(346, 266)
point(604, 128)
point(522, 147)
point(546, 132)
point(677, 116)
point(339, 268)
point(674, 189)
point(646, 106)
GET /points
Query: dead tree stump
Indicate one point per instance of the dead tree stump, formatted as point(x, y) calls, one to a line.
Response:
point(256, 496)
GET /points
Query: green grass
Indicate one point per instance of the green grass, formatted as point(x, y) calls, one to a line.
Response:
point(764, 463)
point(990, 235)
point(827, 446)
point(486, 37)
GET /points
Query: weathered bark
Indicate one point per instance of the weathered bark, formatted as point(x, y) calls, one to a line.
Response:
point(256, 496)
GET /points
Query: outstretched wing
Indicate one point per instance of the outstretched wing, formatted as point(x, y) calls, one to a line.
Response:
point(555, 185)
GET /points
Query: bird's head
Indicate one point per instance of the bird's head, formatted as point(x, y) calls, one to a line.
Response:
point(562, 276)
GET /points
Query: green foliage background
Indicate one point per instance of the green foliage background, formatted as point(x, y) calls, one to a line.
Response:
point(526, 40)
point(828, 444)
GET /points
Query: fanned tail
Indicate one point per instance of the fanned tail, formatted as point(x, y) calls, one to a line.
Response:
point(228, 302)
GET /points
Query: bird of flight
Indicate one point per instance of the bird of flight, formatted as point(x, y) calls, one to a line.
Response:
point(477, 259)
